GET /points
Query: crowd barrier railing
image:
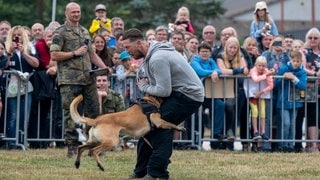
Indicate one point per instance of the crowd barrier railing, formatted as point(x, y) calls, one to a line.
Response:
point(226, 87)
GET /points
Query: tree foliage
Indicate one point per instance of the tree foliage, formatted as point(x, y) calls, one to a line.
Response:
point(142, 14)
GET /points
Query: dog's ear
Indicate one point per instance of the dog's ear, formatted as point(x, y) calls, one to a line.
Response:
point(152, 100)
point(159, 99)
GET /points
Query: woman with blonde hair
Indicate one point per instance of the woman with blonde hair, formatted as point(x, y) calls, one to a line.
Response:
point(21, 59)
point(312, 48)
point(231, 62)
point(250, 44)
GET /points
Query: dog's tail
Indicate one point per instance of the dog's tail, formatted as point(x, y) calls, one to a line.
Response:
point(75, 114)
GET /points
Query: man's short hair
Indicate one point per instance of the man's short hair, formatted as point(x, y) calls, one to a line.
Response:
point(289, 36)
point(204, 45)
point(115, 19)
point(177, 32)
point(161, 28)
point(132, 34)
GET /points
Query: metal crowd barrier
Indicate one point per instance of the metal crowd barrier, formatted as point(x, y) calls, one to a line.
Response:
point(227, 85)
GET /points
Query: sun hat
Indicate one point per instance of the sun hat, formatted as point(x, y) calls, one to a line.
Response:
point(260, 6)
point(124, 56)
point(100, 7)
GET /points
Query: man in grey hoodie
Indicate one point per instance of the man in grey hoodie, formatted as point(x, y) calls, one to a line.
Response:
point(164, 73)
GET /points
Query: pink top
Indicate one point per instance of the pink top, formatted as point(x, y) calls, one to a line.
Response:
point(256, 77)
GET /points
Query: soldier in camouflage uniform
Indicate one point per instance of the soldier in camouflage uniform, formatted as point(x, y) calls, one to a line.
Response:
point(71, 48)
point(110, 101)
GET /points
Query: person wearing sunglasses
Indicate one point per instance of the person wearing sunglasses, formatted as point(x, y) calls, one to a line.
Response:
point(312, 45)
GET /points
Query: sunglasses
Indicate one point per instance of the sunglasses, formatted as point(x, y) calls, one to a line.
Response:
point(315, 38)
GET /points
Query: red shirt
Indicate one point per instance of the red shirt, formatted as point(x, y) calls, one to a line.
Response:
point(44, 53)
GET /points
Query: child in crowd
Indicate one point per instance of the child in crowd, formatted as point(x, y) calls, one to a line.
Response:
point(183, 18)
point(258, 89)
point(125, 78)
point(206, 67)
point(101, 20)
point(262, 23)
point(293, 72)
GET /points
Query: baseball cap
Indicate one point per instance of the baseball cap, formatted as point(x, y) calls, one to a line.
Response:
point(100, 7)
point(124, 56)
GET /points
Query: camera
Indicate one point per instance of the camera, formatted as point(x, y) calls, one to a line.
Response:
point(15, 39)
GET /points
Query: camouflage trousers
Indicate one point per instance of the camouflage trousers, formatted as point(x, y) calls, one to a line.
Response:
point(89, 107)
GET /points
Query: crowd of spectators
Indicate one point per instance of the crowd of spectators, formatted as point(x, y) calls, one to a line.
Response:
point(27, 50)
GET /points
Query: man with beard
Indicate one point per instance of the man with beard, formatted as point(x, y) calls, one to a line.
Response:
point(117, 26)
point(163, 73)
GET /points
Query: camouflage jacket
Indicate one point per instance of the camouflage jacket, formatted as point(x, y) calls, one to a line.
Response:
point(75, 70)
point(112, 103)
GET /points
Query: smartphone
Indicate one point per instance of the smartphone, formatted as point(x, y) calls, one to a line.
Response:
point(15, 39)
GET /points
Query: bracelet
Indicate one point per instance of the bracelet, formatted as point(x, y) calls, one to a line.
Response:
point(74, 54)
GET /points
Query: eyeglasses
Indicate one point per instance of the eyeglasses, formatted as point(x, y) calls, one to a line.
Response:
point(208, 33)
point(315, 38)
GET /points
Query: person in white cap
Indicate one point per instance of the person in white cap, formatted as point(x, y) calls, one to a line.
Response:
point(101, 20)
point(262, 23)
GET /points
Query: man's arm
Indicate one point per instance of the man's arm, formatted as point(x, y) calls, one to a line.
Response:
point(62, 56)
point(162, 75)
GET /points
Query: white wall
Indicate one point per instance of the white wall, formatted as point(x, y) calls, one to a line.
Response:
point(294, 10)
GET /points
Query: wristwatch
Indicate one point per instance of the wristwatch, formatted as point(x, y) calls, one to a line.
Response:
point(74, 54)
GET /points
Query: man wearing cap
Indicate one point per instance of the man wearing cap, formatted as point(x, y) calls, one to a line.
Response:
point(101, 20)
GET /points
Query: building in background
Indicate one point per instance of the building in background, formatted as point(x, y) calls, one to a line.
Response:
point(291, 16)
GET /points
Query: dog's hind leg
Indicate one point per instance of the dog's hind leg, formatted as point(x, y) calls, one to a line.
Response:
point(80, 151)
point(160, 123)
point(98, 149)
point(95, 152)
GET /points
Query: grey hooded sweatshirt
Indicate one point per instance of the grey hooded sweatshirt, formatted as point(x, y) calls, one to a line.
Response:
point(168, 71)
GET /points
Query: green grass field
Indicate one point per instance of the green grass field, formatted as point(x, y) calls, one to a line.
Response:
point(199, 164)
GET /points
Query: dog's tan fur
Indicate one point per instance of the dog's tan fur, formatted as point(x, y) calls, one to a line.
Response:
point(105, 129)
